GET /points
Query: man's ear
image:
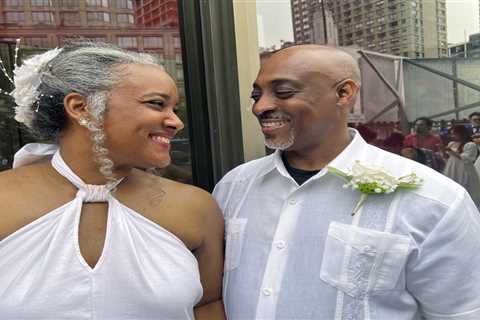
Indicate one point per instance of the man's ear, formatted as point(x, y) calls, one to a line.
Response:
point(346, 93)
point(75, 106)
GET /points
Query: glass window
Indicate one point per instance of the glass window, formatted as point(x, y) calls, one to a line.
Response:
point(37, 42)
point(127, 42)
point(176, 42)
point(15, 17)
point(179, 74)
point(68, 3)
point(125, 4)
point(13, 3)
point(42, 17)
point(124, 18)
point(70, 19)
point(178, 58)
point(152, 42)
point(98, 17)
point(97, 3)
point(41, 3)
point(153, 27)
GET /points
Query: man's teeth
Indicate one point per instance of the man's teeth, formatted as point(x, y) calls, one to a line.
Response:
point(271, 124)
point(161, 139)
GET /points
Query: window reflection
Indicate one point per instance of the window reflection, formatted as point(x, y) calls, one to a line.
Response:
point(141, 25)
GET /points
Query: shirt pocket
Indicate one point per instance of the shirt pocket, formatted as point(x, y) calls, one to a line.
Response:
point(361, 261)
point(234, 235)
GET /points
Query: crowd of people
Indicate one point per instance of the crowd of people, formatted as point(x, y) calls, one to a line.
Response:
point(453, 150)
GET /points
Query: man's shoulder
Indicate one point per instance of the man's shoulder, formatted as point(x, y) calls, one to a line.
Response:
point(435, 186)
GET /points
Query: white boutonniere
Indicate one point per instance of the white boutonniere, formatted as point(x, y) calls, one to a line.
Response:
point(374, 181)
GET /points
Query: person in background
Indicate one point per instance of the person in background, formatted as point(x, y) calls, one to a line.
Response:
point(414, 154)
point(394, 142)
point(474, 118)
point(461, 154)
point(423, 136)
point(476, 140)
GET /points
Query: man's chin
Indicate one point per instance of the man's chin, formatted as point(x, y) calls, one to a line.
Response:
point(278, 145)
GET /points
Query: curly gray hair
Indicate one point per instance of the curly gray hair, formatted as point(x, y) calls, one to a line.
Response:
point(86, 68)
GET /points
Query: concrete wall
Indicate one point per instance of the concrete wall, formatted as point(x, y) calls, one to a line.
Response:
point(248, 65)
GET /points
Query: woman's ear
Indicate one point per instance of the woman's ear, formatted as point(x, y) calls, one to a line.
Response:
point(75, 106)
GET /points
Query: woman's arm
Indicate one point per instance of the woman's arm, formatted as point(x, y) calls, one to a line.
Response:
point(469, 153)
point(210, 261)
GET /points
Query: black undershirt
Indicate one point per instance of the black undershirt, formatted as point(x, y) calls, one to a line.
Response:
point(299, 175)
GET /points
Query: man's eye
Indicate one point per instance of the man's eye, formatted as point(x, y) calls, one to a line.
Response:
point(255, 96)
point(285, 94)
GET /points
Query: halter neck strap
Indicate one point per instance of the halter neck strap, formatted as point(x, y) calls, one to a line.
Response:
point(87, 192)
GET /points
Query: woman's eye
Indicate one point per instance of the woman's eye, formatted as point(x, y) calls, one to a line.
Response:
point(156, 104)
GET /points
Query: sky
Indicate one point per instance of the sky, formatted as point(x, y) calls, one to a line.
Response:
point(275, 20)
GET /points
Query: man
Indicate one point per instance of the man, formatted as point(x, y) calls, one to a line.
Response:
point(474, 118)
point(423, 136)
point(293, 248)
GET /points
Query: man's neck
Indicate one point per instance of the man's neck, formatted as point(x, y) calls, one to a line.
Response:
point(318, 156)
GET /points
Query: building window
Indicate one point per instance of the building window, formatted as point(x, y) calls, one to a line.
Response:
point(127, 42)
point(125, 4)
point(14, 17)
point(124, 18)
point(178, 58)
point(97, 3)
point(153, 42)
point(98, 17)
point(41, 3)
point(68, 38)
point(179, 74)
point(42, 17)
point(13, 3)
point(70, 19)
point(68, 3)
point(36, 42)
point(176, 42)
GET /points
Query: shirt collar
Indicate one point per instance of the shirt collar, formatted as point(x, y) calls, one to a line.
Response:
point(355, 150)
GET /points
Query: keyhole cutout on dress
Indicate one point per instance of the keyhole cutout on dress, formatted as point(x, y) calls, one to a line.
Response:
point(92, 231)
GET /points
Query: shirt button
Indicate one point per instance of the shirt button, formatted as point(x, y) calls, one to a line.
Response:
point(267, 292)
point(292, 201)
point(281, 244)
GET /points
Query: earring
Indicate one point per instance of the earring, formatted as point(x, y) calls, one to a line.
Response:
point(84, 122)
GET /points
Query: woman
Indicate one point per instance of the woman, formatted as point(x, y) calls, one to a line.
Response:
point(461, 154)
point(85, 235)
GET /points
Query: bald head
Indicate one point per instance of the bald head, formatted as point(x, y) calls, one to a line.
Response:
point(332, 63)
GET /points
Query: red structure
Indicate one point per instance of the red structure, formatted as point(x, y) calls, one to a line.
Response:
point(156, 13)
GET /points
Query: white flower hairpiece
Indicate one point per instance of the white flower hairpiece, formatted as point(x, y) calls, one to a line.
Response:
point(27, 79)
point(374, 181)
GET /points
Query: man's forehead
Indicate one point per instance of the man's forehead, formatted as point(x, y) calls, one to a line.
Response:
point(298, 66)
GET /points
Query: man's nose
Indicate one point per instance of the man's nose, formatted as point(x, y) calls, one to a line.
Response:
point(264, 103)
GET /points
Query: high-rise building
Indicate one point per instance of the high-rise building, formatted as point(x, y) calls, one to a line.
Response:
point(157, 13)
point(302, 18)
point(324, 29)
point(49, 23)
point(414, 28)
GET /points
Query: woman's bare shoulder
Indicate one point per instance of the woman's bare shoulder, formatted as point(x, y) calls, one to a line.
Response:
point(161, 194)
point(27, 193)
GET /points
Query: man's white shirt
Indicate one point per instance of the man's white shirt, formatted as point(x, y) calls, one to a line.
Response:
point(296, 252)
